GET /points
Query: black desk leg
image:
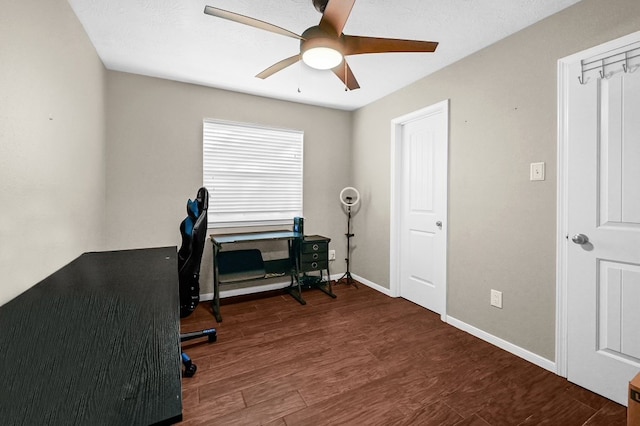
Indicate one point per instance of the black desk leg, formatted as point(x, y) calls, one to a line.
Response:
point(295, 292)
point(215, 303)
point(327, 287)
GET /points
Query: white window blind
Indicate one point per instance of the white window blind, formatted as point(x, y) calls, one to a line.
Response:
point(253, 173)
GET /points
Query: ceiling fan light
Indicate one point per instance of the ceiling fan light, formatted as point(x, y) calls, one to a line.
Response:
point(322, 58)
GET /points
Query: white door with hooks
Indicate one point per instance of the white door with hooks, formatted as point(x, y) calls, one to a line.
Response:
point(419, 207)
point(600, 230)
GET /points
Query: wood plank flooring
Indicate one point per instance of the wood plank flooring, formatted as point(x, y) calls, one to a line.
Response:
point(367, 359)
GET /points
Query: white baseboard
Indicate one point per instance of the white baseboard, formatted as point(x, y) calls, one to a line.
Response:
point(503, 344)
point(251, 290)
point(245, 290)
point(373, 285)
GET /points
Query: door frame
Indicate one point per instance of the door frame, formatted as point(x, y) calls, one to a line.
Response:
point(562, 191)
point(441, 107)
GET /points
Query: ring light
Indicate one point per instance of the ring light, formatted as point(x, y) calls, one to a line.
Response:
point(349, 202)
point(353, 202)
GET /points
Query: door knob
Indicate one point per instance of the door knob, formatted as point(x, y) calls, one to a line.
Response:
point(580, 239)
point(439, 224)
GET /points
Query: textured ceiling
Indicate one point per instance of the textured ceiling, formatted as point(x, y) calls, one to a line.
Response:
point(177, 41)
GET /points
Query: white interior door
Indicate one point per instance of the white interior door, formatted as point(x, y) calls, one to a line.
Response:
point(422, 201)
point(603, 230)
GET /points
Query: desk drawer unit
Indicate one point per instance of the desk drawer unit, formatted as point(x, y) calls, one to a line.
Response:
point(314, 253)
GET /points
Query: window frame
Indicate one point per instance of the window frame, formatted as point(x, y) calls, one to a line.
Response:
point(277, 148)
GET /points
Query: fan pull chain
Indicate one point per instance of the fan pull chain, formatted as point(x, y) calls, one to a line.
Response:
point(299, 76)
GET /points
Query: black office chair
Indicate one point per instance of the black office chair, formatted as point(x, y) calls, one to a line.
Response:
point(194, 234)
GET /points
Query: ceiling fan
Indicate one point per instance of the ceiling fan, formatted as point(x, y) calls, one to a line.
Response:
point(324, 46)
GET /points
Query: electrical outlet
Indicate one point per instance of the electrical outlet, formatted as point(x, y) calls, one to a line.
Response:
point(332, 255)
point(496, 298)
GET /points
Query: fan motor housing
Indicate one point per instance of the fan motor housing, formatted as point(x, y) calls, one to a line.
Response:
point(314, 37)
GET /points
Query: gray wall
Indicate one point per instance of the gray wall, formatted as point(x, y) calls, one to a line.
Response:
point(52, 185)
point(502, 117)
point(154, 158)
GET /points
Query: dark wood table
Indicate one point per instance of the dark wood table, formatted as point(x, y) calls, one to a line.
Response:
point(95, 343)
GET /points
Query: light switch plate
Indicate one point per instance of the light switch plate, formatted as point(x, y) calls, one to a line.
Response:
point(496, 298)
point(536, 171)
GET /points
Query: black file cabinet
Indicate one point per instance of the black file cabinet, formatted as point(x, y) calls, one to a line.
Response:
point(313, 256)
point(314, 253)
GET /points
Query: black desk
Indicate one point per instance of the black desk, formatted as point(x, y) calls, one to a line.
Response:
point(96, 343)
point(305, 254)
point(244, 237)
point(288, 266)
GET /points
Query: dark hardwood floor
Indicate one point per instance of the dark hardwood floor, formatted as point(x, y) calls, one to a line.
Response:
point(367, 359)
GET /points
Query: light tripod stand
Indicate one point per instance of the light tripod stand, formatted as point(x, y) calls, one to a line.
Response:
point(349, 202)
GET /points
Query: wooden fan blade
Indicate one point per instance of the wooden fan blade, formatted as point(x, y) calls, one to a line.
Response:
point(355, 45)
point(344, 73)
point(335, 16)
point(252, 22)
point(278, 66)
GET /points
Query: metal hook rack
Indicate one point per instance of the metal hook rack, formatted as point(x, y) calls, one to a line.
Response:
point(601, 64)
point(581, 78)
point(602, 75)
